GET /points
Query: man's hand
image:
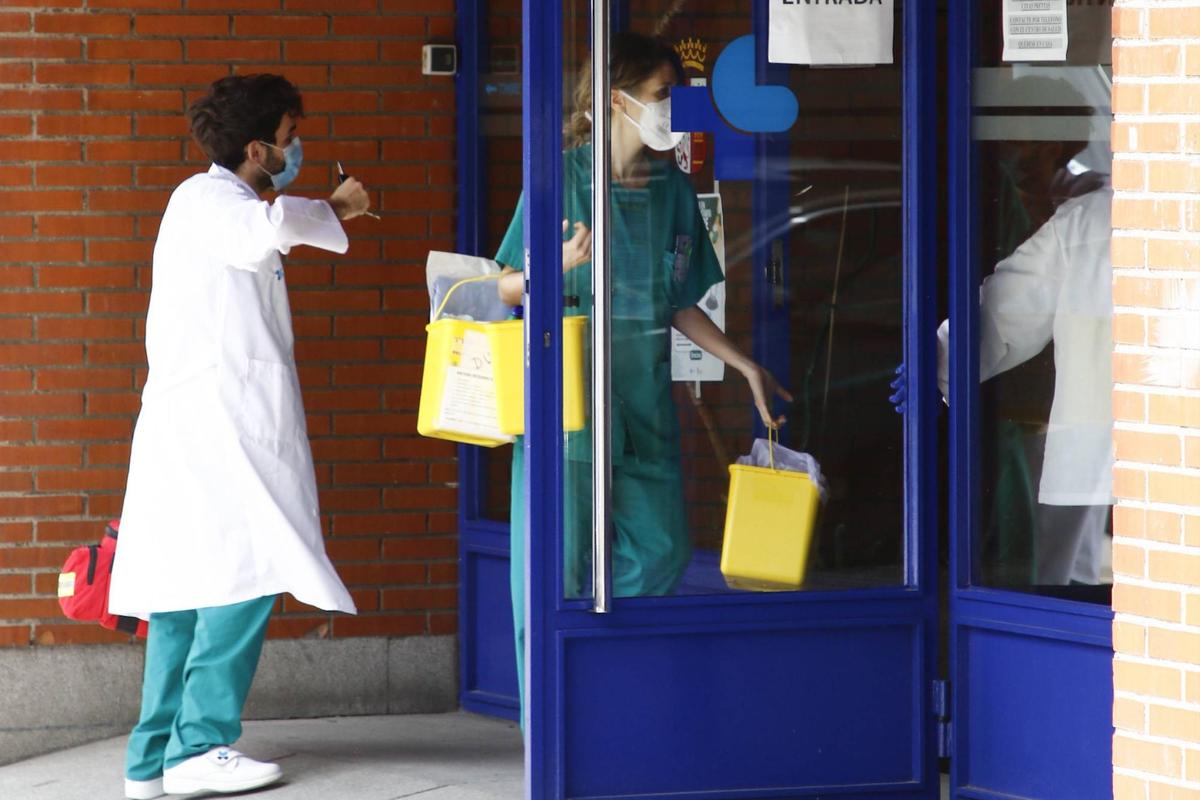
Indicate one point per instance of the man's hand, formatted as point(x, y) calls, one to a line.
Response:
point(350, 199)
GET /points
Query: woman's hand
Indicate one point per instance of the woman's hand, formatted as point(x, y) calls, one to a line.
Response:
point(764, 387)
point(578, 249)
point(696, 325)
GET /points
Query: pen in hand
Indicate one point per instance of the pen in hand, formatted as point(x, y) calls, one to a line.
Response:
point(342, 179)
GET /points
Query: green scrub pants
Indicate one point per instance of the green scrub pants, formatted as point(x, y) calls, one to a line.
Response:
point(650, 548)
point(199, 665)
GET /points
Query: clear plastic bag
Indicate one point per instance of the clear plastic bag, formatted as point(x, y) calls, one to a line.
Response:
point(769, 455)
point(476, 300)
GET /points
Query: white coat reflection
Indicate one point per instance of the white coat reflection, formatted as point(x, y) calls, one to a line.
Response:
point(1056, 287)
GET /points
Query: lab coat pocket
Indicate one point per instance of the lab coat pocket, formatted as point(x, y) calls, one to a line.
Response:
point(271, 406)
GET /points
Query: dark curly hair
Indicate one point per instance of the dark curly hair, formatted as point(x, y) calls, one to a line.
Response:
point(240, 109)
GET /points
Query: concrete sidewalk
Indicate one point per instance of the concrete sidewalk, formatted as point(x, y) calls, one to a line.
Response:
point(455, 756)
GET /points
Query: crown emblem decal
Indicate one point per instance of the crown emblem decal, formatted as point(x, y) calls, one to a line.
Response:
point(693, 53)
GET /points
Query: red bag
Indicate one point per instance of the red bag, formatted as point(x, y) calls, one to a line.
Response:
point(83, 585)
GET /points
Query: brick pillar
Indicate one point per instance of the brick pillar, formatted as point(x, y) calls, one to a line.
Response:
point(1156, 399)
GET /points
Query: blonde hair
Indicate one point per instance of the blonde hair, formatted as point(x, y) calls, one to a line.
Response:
point(634, 58)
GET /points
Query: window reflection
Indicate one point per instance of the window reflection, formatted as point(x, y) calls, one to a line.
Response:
point(1044, 220)
point(829, 242)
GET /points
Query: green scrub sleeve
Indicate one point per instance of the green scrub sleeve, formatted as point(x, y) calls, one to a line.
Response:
point(512, 248)
point(704, 271)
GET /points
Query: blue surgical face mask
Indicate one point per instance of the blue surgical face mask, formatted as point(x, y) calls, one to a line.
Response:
point(293, 158)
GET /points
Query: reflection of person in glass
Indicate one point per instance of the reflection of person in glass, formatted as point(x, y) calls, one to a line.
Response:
point(1056, 286)
point(662, 265)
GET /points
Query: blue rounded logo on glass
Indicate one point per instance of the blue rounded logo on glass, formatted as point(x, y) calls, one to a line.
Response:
point(742, 101)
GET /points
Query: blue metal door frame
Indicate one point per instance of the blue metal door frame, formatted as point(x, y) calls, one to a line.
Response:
point(1030, 676)
point(487, 675)
point(595, 666)
point(541, 176)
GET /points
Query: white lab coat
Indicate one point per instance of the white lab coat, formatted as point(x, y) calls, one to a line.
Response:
point(1057, 286)
point(221, 502)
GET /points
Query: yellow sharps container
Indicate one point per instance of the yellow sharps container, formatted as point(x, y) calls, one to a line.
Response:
point(508, 352)
point(768, 528)
point(473, 382)
point(458, 392)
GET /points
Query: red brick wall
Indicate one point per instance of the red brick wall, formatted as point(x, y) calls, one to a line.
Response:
point(92, 141)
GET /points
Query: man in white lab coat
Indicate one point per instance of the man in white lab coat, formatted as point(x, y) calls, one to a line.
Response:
point(1057, 287)
point(220, 513)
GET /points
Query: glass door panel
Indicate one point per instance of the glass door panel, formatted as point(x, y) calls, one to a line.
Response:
point(1028, 364)
point(845, 243)
point(693, 687)
point(799, 263)
point(1042, 204)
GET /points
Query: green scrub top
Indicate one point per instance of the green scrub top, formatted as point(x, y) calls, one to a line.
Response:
point(662, 261)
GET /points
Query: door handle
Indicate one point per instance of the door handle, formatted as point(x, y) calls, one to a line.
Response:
point(775, 273)
point(601, 312)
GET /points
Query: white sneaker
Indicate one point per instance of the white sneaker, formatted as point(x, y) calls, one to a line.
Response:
point(144, 790)
point(219, 770)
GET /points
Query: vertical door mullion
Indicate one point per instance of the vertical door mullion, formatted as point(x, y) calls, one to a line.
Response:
point(541, 173)
point(921, 478)
point(964, 360)
point(964, 300)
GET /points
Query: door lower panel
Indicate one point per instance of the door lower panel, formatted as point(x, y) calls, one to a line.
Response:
point(726, 713)
point(1033, 716)
point(489, 669)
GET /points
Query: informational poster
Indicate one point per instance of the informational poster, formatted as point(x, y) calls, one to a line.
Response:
point(830, 32)
point(689, 362)
point(1035, 30)
point(469, 394)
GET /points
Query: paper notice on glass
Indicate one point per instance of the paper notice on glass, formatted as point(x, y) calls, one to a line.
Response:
point(830, 32)
point(469, 393)
point(689, 362)
point(1035, 30)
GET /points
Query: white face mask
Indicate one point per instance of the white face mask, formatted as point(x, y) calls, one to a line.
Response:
point(655, 125)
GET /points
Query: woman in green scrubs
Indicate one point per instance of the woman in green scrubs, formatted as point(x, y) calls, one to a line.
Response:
point(662, 265)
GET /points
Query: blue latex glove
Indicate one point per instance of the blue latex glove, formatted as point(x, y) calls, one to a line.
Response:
point(899, 399)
